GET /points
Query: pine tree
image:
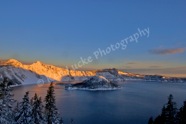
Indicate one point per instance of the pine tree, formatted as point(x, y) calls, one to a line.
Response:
point(6, 103)
point(181, 115)
point(37, 110)
point(170, 111)
point(168, 114)
point(51, 113)
point(150, 120)
point(163, 116)
point(159, 120)
point(24, 110)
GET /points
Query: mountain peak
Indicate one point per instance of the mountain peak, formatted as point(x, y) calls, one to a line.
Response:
point(38, 63)
point(13, 62)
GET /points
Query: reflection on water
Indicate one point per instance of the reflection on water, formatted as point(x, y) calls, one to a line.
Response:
point(132, 104)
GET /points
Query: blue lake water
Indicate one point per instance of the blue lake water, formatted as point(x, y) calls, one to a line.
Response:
point(133, 104)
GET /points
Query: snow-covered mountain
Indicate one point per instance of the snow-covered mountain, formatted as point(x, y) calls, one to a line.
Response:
point(26, 74)
point(94, 83)
point(39, 72)
point(20, 72)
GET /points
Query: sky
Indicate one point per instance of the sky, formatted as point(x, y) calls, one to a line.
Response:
point(67, 33)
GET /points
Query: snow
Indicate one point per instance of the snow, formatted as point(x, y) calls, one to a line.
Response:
point(32, 73)
point(53, 72)
point(20, 76)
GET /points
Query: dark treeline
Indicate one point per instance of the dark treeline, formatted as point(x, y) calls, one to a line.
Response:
point(28, 111)
point(170, 114)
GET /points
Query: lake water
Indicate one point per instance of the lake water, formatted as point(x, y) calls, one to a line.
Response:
point(133, 104)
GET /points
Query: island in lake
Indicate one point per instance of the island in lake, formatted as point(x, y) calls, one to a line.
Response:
point(94, 83)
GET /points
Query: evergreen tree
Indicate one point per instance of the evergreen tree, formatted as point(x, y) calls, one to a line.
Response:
point(159, 120)
point(181, 115)
point(150, 120)
point(6, 102)
point(24, 110)
point(37, 110)
point(163, 115)
point(51, 113)
point(170, 111)
point(168, 114)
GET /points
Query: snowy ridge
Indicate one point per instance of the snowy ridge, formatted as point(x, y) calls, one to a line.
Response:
point(20, 76)
point(50, 71)
point(32, 73)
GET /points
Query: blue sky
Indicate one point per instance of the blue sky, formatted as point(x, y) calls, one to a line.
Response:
point(60, 32)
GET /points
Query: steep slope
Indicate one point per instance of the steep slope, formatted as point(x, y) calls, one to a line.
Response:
point(20, 76)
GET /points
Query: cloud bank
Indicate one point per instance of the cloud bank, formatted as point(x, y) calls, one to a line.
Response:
point(167, 71)
point(167, 51)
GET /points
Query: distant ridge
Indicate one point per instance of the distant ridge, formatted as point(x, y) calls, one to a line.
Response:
point(31, 73)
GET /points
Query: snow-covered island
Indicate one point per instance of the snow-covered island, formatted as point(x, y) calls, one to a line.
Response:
point(94, 83)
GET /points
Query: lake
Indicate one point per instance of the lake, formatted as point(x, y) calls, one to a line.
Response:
point(133, 104)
